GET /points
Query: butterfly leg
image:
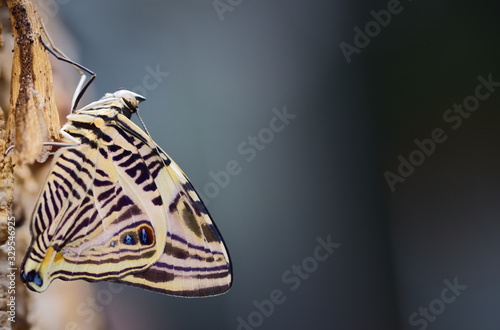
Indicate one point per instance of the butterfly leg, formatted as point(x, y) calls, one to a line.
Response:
point(9, 149)
point(61, 54)
point(81, 88)
point(74, 142)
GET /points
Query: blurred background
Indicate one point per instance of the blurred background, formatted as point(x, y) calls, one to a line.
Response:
point(336, 218)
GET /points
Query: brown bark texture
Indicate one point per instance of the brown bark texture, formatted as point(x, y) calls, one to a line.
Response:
point(28, 118)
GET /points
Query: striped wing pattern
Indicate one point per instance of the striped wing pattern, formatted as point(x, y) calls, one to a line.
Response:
point(116, 207)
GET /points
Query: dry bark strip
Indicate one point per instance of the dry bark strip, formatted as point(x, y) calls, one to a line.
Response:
point(32, 119)
point(33, 116)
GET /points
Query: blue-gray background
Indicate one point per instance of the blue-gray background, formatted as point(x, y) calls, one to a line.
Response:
point(322, 175)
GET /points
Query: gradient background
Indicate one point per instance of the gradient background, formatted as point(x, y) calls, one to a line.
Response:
point(323, 174)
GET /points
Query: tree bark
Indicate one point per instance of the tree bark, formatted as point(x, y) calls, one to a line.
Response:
point(31, 120)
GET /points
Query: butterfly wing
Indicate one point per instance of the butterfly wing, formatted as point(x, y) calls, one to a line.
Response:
point(92, 221)
point(138, 220)
point(194, 261)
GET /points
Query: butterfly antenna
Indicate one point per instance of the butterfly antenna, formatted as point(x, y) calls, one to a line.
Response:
point(80, 68)
point(142, 123)
point(147, 132)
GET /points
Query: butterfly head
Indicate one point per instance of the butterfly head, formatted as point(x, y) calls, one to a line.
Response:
point(130, 101)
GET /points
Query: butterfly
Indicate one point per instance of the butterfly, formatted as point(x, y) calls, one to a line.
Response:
point(116, 207)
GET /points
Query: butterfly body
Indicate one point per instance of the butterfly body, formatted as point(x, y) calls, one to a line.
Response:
point(116, 207)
